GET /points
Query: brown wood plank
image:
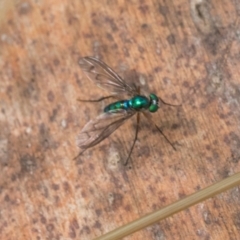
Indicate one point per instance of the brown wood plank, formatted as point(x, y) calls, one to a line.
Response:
point(187, 52)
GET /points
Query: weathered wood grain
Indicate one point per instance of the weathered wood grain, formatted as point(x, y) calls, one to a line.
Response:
point(185, 51)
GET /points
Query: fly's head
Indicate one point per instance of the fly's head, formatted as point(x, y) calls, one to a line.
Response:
point(154, 103)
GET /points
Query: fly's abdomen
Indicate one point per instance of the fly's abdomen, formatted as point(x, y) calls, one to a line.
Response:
point(124, 104)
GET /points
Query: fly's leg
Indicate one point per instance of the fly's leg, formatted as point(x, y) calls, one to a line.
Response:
point(96, 100)
point(136, 132)
point(149, 117)
point(172, 105)
point(135, 139)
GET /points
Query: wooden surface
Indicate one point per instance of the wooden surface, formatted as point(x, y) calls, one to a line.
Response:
point(185, 51)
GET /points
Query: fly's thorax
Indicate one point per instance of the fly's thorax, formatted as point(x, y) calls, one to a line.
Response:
point(139, 102)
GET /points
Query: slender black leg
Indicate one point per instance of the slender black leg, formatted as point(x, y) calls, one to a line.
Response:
point(173, 105)
point(135, 139)
point(150, 119)
point(96, 100)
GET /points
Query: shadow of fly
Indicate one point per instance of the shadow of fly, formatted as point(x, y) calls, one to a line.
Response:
point(116, 113)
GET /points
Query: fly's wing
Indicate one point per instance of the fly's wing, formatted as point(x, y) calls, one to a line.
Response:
point(98, 129)
point(102, 75)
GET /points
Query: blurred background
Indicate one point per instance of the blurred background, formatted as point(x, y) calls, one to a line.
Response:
point(187, 52)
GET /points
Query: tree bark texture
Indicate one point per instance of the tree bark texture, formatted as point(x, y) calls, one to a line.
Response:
point(187, 52)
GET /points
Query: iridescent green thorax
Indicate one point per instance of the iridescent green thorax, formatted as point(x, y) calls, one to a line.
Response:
point(137, 103)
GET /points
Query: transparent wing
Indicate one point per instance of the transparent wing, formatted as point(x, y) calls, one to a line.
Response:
point(102, 75)
point(98, 129)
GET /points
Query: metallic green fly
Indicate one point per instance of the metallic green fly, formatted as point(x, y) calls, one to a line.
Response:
point(116, 113)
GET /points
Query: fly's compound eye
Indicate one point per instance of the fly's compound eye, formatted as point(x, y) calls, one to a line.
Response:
point(153, 107)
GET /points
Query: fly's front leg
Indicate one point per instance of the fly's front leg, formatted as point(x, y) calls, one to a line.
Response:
point(96, 100)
